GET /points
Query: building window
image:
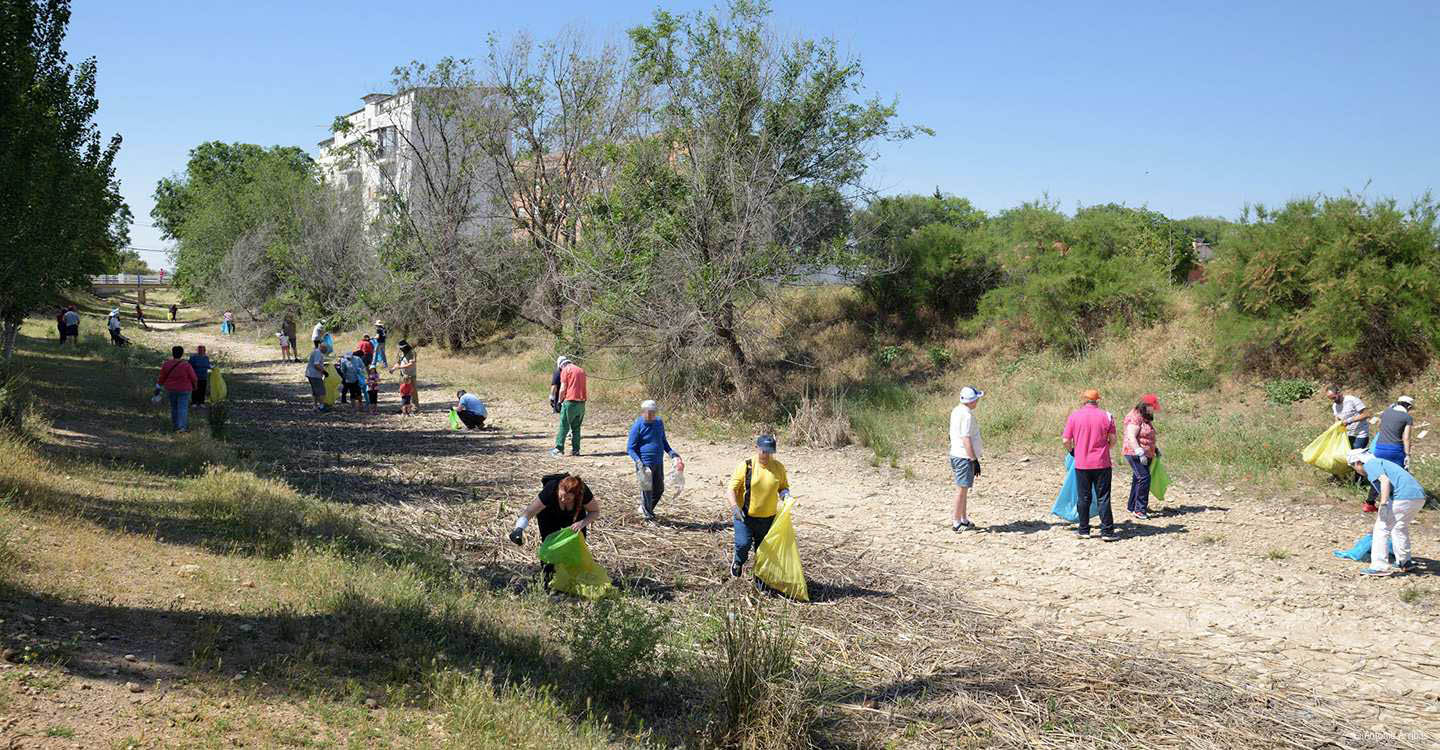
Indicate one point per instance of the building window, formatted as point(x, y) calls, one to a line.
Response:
point(352, 179)
point(385, 142)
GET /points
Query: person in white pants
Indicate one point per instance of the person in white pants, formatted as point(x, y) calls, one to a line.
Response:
point(1400, 498)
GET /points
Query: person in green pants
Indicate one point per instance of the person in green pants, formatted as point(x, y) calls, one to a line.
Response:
point(571, 395)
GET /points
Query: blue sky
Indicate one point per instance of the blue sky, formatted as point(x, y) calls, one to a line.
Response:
point(1189, 110)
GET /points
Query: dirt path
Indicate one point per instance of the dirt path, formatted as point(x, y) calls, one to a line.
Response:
point(1244, 587)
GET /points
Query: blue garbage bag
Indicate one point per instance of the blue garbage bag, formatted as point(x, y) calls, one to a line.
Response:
point(1360, 552)
point(1068, 501)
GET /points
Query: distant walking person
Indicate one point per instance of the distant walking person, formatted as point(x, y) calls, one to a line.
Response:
point(140, 316)
point(379, 358)
point(1401, 497)
point(227, 326)
point(287, 327)
point(1139, 448)
point(408, 369)
point(648, 446)
point(60, 323)
point(571, 395)
point(315, 375)
point(200, 363)
point(177, 380)
point(174, 313)
point(286, 353)
point(560, 363)
point(1088, 436)
point(113, 322)
point(72, 325)
point(1393, 442)
point(317, 334)
point(756, 489)
point(1351, 411)
point(471, 410)
point(965, 450)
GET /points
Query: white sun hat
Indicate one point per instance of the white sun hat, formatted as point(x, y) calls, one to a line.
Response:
point(649, 405)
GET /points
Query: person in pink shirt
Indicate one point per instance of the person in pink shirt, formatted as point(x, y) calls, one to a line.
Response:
point(1138, 446)
point(1089, 434)
point(572, 394)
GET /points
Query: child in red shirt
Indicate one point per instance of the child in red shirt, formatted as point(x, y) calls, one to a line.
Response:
point(407, 396)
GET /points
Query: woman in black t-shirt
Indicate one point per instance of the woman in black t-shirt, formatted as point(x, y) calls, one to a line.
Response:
point(564, 501)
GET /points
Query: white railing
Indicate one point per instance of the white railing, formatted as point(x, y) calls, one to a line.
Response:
point(131, 279)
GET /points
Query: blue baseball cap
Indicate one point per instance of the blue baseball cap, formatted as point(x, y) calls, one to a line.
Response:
point(766, 443)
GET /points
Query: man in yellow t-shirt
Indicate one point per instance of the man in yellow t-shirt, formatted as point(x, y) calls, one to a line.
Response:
point(754, 506)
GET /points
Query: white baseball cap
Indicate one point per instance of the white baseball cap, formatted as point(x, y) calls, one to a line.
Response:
point(1406, 400)
point(1358, 456)
point(970, 394)
point(649, 405)
point(561, 360)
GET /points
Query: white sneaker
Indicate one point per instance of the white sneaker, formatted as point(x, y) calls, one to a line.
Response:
point(556, 452)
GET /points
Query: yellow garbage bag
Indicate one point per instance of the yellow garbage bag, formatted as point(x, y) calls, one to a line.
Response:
point(1327, 452)
point(586, 579)
point(215, 390)
point(777, 560)
point(332, 385)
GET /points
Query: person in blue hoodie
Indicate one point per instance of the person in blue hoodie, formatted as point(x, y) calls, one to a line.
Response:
point(648, 448)
point(200, 363)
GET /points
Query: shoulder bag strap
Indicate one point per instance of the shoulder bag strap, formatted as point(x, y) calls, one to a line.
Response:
point(749, 472)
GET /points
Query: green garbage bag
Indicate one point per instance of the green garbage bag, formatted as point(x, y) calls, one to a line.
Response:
point(1159, 479)
point(560, 548)
point(585, 579)
point(455, 423)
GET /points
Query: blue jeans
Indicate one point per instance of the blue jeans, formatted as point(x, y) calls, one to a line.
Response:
point(1098, 481)
point(750, 533)
point(179, 409)
point(1139, 486)
point(378, 358)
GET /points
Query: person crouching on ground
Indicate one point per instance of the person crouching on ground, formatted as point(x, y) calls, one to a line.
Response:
point(965, 450)
point(756, 489)
point(1401, 497)
point(200, 362)
point(564, 501)
point(471, 410)
point(1089, 434)
point(177, 379)
point(1393, 442)
point(1139, 448)
point(648, 446)
point(315, 374)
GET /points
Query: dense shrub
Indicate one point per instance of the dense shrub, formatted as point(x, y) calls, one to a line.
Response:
point(1338, 286)
point(1190, 374)
point(923, 256)
point(622, 638)
point(1286, 391)
point(1068, 301)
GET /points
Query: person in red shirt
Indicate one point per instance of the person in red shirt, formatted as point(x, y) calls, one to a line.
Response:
point(366, 349)
point(1089, 434)
point(177, 379)
point(572, 395)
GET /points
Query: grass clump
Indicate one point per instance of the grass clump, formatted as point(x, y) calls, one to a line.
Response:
point(765, 692)
point(1286, 391)
point(1411, 594)
point(266, 517)
point(820, 421)
point(1190, 374)
point(1277, 553)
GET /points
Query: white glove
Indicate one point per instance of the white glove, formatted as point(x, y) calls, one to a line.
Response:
point(1144, 460)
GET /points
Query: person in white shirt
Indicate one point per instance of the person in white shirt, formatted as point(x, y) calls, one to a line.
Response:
point(1351, 411)
point(965, 450)
point(317, 334)
point(315, 373)
point(114, 324)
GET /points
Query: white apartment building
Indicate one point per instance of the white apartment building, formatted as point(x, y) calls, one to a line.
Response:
point(365, 155)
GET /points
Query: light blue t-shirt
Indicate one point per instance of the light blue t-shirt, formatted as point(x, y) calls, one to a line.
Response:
point(1402, 485)
point(472, 403)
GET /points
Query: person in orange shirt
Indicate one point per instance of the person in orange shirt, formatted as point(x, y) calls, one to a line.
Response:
point(571, 395)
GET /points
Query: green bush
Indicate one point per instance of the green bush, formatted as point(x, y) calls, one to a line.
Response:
point(1068, 301)
point(1190, 374)
point(922, 256)
point(888, 356)
point(763, 690)
point(1339, 286)
point(620, 644)
point(1286, 391)
point(940, 357)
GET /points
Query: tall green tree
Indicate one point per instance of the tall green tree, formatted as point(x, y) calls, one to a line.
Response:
point(60, 203)
point(699, 228)
point(228, 190)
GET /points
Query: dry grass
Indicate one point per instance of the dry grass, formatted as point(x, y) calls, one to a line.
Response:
point(820, 421)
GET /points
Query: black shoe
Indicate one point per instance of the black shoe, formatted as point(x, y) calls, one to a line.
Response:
point(1109, 536)
point(734, 570)
point(1083, 534)
point(966, 525)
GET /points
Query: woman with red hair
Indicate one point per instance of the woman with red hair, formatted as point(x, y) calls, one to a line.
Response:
point(564, 501)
